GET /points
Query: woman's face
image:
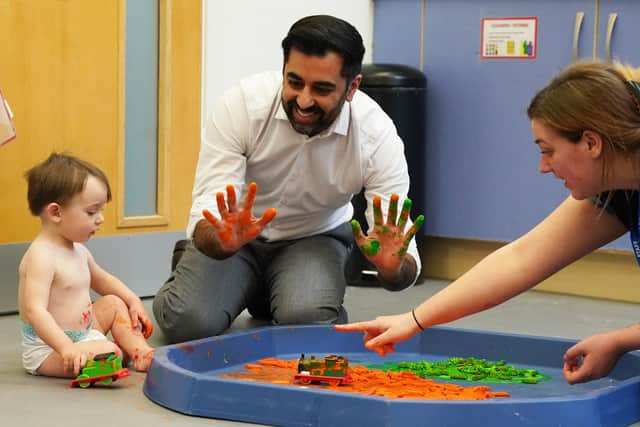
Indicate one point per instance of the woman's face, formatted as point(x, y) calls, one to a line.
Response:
point(579, 164)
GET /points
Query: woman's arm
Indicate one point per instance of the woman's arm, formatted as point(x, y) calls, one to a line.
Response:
point(573, 230)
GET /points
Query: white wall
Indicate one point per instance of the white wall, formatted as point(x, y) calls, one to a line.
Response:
point(242, 37)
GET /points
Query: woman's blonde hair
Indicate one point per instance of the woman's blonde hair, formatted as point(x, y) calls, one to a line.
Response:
point(595, 96)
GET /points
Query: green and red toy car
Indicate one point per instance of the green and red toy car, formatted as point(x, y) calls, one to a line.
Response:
point(103, 369)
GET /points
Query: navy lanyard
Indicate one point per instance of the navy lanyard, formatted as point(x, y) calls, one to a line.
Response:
point(634, 233)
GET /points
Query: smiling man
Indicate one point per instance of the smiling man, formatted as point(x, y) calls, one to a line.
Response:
point(300, 143)
point(314, 91)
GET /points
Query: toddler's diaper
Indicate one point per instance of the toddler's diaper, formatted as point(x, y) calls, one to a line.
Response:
point(35, 351)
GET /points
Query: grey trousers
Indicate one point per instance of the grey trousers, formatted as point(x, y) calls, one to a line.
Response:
point(290, 282)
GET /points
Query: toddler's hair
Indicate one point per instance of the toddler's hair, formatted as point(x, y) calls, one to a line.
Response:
point(58, 179)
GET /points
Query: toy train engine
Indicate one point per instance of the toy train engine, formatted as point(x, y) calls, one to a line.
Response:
point(332, 369)
point(103, 369)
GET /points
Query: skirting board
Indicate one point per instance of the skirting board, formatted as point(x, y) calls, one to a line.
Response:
point(604, 274)
point(142, 261)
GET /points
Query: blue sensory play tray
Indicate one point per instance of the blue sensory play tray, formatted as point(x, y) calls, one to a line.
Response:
point(185, 377)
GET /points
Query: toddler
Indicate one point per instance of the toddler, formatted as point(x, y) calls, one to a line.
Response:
point(62, 327)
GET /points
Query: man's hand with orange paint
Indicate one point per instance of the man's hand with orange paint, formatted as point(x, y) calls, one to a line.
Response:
point(237, 225)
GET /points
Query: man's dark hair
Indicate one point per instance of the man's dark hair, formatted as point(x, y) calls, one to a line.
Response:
point(317, 34)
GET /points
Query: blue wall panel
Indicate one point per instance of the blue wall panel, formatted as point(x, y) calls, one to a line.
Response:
point(396, 32)
point(481, 163)
point(626, 32)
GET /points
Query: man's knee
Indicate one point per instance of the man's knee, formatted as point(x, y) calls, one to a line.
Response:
point(188, 325)
point(300, 314)
point(181, 321)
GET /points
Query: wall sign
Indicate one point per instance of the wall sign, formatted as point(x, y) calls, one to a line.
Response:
point(509, 38)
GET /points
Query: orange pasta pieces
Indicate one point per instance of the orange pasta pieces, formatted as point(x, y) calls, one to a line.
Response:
point(373, 382)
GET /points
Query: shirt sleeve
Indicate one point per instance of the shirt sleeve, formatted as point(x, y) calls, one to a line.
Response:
point(222, 159)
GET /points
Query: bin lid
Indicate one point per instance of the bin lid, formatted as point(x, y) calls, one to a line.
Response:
point(392, 75)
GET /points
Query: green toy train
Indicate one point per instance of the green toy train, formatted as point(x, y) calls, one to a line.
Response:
point(103, 369)
point(332, 369)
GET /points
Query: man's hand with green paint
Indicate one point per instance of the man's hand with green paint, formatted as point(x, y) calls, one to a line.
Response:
point(386, 245)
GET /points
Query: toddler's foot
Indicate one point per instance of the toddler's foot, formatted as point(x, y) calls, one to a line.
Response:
point(141, 361)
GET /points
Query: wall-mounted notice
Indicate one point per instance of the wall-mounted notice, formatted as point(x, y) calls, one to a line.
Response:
point(509, 38)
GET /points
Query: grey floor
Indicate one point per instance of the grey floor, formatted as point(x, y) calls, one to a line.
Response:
point(35, 401)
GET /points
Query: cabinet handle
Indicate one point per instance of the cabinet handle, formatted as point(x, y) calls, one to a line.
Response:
point(610, 27)
point(577, 25)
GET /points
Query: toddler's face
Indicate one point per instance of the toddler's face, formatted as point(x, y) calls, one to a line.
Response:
point(82, 215)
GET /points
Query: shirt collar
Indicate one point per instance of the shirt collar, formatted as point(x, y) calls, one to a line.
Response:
point(340, 125)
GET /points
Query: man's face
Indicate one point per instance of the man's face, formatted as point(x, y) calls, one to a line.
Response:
point(313, 90)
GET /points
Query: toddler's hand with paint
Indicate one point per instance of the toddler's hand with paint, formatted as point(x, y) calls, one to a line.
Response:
point(140, 320)
point(75, 355)
point(237, 225)
point(387, 244)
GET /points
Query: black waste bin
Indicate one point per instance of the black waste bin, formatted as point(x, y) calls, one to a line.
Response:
point(401, 92)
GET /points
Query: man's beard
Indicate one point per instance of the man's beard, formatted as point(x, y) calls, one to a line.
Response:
point(324, 121)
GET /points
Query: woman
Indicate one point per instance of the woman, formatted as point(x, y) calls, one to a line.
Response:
point(586, 122)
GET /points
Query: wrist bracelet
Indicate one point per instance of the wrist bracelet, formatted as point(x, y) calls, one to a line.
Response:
point(413, 312)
